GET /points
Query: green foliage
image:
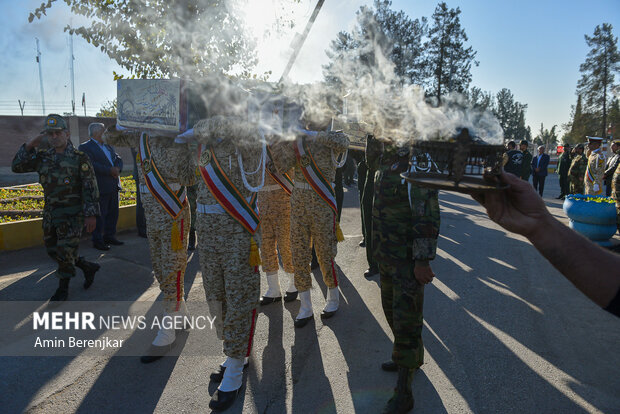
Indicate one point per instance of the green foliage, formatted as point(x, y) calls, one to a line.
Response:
point(546, 137)
point(29, 199)
point(448, 61)
point(108, 110)
point(598, 80)
point(162, 38)
point(510, 113)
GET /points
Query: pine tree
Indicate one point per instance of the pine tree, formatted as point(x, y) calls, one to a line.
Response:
point(448, 61)
point(598, 74)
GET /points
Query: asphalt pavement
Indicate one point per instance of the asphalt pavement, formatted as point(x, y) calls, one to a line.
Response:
point(504, 332)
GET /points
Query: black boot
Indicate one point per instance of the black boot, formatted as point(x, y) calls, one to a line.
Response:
point(402, 400)
point(62, 293)
point(389, 366)
point(89, 269)
point(192, 240)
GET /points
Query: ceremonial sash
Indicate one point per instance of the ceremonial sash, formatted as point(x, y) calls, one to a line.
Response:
point(227, 195)
point(313, 174)
point(283, 179)
point(172, 202)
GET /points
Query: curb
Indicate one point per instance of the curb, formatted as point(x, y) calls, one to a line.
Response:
point(28, 233)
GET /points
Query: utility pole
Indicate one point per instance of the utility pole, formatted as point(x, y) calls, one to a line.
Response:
point(84, 102)
point(298, 41)
point(21, 105)
point(72, 58)
point(40, 76)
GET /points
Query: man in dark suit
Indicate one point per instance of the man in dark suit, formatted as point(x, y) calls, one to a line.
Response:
point(539, 170)
point(108, 166)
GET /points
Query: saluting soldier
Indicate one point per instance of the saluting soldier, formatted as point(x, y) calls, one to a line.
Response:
point(166, 169)
point(577, 170)
point(595, 169)
point(71, 199)
point(405, 222)
point(615, 193)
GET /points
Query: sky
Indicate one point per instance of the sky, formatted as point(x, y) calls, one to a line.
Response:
point(533, 48)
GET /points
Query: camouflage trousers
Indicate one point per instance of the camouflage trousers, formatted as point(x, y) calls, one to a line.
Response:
point(275, 223)
point(576, 186)
point(62, 239)
point(229, 279)
point(168, 264)
point(313, 222)
point(402, 299)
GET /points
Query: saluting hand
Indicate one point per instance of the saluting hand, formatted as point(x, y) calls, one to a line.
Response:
point(90, 223)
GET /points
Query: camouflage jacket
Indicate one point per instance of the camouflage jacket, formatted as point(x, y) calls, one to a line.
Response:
point(229, 137)
point(321, 148)
point(526, 167)
point(175, 162)
point(407, 217)
point(577, 168)
point(68, 180)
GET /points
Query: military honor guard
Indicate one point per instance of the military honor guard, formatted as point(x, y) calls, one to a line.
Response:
point(232, 171)
point(595, 169)
point(314, 156)
point(71, 199)
point(166, 169)
point(274, 203)
point(563, 165)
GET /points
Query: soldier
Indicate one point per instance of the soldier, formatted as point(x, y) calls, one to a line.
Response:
point(166, 169)
point(405, 230)
point(595, 169)
point(615, 194)
point(274, 202)
point(612, 165)
point(563, 165)
point(366, 207)
point(227, 224)
point(362, 170)
point(71, 199)
point(191, 197)
point(577, 170)
point(526, 161)
point(313, 212)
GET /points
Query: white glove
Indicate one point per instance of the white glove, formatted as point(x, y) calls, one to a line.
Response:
point(121, 128)
point(596, 187)
point(185, 137)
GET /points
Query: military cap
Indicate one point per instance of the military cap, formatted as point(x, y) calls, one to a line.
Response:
point(54, 122)
point(616, 141)
point(523, 142)
point(580, 146)
point(566, 144)
point(596, 139)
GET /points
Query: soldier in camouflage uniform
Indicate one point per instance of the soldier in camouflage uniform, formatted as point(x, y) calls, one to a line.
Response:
point(167, 235)
point(615, 188)
point(577, 171)
point(229, 277)
point(71, 199)
point(366, 208)
point(595, 170)
point(274, 204)
point(405, 229)
point(192, 193)
point(313, 221)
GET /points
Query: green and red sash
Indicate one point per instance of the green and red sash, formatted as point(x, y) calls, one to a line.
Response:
point(227, 195)
point(282, 179)
point(172, 202)
point(313, 174)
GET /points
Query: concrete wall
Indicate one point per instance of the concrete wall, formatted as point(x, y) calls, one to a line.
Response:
point(15, 130)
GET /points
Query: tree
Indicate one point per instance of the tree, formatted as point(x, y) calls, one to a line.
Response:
point(447, 60)
point(511, 116)
point(379, 33)
point(108, 110)
point(598, 73)
point(546, 137)
point(161, 38)
point(480, 99)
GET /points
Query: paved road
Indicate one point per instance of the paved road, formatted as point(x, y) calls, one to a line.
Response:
point(504, 333)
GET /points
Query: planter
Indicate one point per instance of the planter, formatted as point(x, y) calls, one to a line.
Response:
point(592, 216)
